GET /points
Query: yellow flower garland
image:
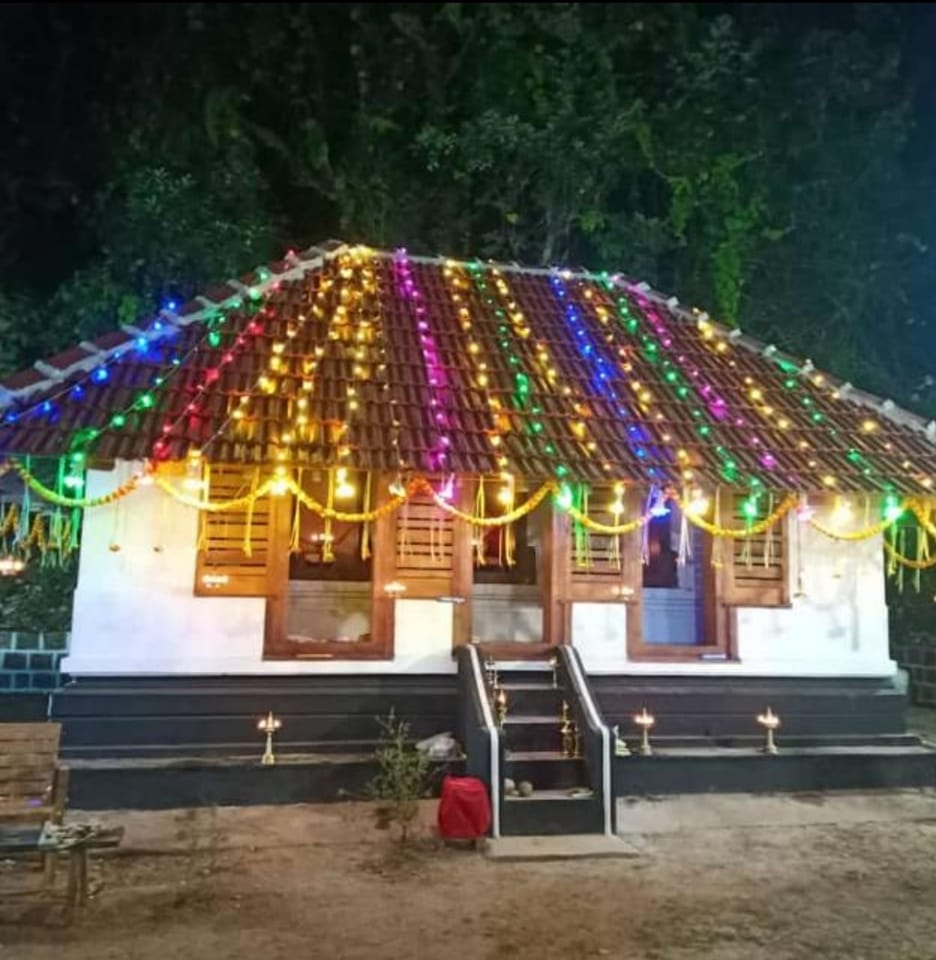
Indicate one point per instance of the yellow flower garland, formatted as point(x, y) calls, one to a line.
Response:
point(921, 512)
point(611, 529)
point(755, 529)
point(898, 557)
point(274, 485)
point(527, 507)
point(855, 535)
point(59, 500)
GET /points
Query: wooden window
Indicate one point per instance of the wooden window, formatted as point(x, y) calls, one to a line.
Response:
point(754, 570)
point(329, 595)
point(425, 544)
point(506, 554)
point(326, 600)
point(330, 550)
point(604, 566)
point(235, 547)
point(508, 613)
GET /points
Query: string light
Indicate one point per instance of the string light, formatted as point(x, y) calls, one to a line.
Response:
point(698, 504)
point(514, 332)
point(600, 367)
point(344, 489)
point(458, 289)
point(437, 379)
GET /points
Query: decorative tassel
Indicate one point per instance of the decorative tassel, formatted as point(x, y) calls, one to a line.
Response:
point(923, 555)
point(366, 531)
point(295, 536)
point(248, 528)
point(902, 542)
point(74, 529)
point(892, 564)
point(403, 528)
point(328, 552)
point(717, 559)
point(479, 531)
point(684, 548)
point(202, 544)
point(747, 548)
point(769, 536)
point(800, 588)
point(645, 531)
point(22, 534)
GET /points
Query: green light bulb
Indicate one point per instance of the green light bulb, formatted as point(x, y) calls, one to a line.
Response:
point(564, 497)
point(892, 508)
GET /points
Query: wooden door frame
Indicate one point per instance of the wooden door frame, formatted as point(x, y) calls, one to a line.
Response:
point(276, 643)
point(718, 621)
point(555, 592)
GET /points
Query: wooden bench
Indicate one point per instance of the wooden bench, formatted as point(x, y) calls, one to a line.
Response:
point(33, 784)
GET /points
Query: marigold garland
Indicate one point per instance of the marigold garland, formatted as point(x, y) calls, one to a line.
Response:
point(874, 530)
point(37, 486)
point(613, 530)
point(753, 530)
point(898, 557)
point(274, 485)
point(526, 507)
point(922, 512)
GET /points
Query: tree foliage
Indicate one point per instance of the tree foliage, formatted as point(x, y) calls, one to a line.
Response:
point(759, 162)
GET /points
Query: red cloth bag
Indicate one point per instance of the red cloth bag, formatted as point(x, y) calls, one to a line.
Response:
point(464, 810)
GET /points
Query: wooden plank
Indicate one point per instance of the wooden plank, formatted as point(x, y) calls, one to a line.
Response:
point(463, 566)
point(31, 733)
point(383, 569)
point(276, 578)
point(557, 575)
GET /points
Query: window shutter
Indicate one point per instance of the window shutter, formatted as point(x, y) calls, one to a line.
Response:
point(425, 545)
point(607, 566)
point(754, 569)
point(235, 547)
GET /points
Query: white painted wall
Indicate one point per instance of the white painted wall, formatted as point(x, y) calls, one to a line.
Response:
point(135, 611)
point(837, 628)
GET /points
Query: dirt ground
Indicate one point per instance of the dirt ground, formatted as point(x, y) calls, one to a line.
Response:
point(320, 881)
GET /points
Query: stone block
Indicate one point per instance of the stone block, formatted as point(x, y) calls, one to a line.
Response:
point(27, 640)
point(14, 661)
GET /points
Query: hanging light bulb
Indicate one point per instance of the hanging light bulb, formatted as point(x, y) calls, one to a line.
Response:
point(841, 512)
point(344, 489)
point(804, 510)
point(698, 504)
point(397, 488)
point(892, 509)
point(564, 496)
point(193, 471)
point(280, 485)
point(505, 495)
point(749, 508)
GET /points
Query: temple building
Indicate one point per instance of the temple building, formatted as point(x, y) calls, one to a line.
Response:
point(519, 504)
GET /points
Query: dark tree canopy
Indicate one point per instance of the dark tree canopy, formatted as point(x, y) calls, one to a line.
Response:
point(772, 163)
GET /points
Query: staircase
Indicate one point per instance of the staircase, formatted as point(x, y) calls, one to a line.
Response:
point(562, 800)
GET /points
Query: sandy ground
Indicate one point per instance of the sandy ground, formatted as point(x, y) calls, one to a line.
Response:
point(320, 881)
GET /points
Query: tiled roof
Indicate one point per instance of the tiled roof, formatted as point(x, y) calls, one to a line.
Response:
point(379, 360)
